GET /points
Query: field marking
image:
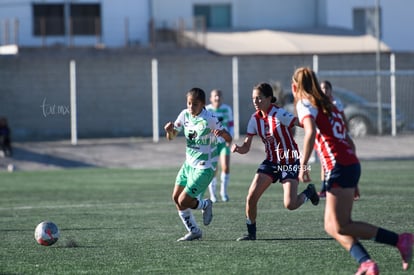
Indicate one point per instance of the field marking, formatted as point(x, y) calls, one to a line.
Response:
point(83, 205)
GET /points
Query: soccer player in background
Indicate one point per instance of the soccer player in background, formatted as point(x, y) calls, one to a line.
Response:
point(201, 130)
point(273, 125)
point(5, 140)
point(324, 126)
point(224, 113)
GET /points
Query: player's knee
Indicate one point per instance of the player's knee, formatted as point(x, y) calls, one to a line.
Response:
point(330, 228)
point(289, 205)
point(251, 200)
point(175, 199)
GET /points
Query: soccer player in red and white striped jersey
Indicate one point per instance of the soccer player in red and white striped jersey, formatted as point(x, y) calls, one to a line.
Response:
point(273, 125)
point(325, 127)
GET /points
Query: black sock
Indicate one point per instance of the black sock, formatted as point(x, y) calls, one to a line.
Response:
point(251, 229)
point(386, 237)
point(323, 186)
point(359, 253)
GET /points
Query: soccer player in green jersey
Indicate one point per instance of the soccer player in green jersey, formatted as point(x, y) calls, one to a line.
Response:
point(201, 130)
point(224, 113)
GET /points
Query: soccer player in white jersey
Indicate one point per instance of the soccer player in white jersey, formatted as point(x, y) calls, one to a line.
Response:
point(273, 125)
point(224, 113)
point(201, 130)
point(325, 127)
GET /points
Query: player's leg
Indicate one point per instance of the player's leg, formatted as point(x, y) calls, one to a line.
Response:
point(194, 231)
point(184, 212)
point(198, 181)
point(291, 199)
point(225, 173)
point(212, 189)
point(338, 222)
point(258, 186)
point(190, 183)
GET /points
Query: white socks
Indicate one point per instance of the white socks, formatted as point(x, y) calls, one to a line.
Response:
point(212, 189)
point(188, 220)
point(225, 178)
point(201, 204)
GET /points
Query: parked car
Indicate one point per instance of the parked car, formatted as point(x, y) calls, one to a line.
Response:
point(361, 114)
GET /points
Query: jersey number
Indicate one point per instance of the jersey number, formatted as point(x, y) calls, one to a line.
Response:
point(338, 128)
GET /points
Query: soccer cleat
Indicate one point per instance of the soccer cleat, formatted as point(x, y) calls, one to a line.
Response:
point(368, 268)
point(225, 198)
point(312, 194)
point(208, 212)
point(356, 194)
point(247, 237)
point(191, 236)
point(405, 246)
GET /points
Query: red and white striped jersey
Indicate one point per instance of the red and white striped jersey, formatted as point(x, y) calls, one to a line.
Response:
point(330, 140)
point(274, 130)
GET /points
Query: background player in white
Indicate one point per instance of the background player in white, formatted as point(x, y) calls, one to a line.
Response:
point(201, 129)
point(273, 125)
point(224, 113)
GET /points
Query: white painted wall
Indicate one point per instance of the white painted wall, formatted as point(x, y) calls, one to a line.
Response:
point(114, 14)
point(397, 19)
point(246, 14)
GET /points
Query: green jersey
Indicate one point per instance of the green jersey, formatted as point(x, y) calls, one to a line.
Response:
point(201, 150)
point(224, 114)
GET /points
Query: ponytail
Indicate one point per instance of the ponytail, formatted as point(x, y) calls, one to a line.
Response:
point(308, 86)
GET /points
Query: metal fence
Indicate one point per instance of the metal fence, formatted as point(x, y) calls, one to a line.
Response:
point(392, 94)
point(115, 89)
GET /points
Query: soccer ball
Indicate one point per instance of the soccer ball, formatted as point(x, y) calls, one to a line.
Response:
point(46, 233)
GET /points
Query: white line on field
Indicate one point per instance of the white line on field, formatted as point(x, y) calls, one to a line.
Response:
point(83, 205)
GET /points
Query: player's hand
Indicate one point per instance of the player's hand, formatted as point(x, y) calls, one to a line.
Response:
point(217, 132)
point(304, 175)
point(234, 148)
point(169, 127)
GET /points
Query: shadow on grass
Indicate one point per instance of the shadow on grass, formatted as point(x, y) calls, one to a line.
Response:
point(21, 154)
point(275, 239)
point(297, 239)
point(62, 229)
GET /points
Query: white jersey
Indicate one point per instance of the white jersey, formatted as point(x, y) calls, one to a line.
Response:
point(338, 103)
point(224, 114)
point(201, 151)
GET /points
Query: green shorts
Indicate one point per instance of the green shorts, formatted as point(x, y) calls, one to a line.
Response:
point(194, 180)
point(223, 149)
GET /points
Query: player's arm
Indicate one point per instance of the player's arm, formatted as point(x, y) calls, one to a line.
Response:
point(170, 131)
point(308, 142)
point(245, 147)
point(296, 123)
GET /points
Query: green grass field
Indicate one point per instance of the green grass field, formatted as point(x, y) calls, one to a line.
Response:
point(115, 221)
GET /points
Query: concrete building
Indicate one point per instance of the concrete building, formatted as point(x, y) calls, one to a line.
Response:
point(108, 23)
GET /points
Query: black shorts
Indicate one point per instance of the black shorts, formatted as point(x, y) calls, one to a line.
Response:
point(279, 171)
point(343, 176)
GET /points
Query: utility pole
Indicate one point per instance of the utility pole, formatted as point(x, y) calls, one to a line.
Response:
point(378, 66)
